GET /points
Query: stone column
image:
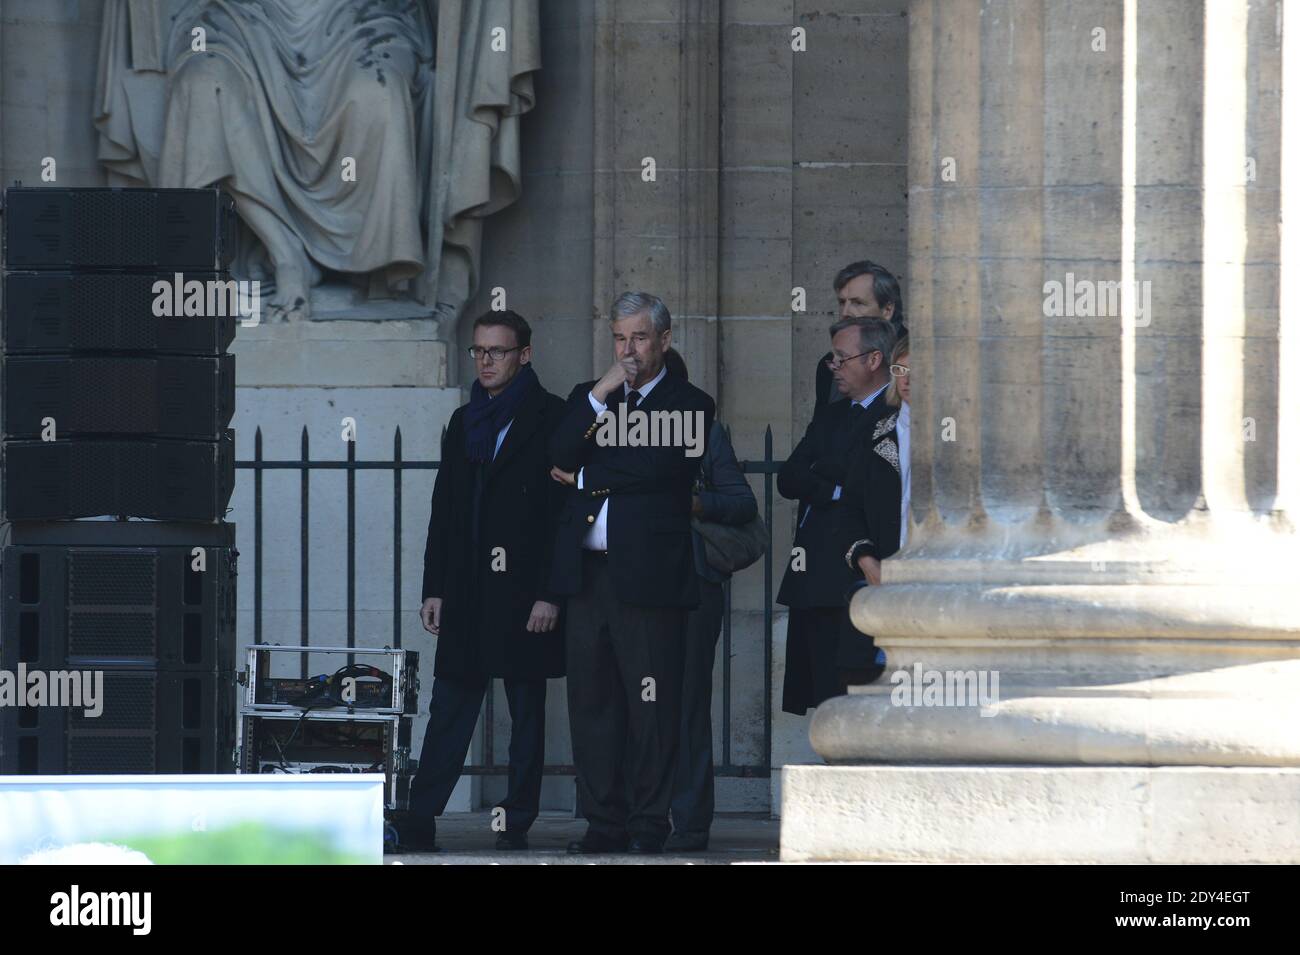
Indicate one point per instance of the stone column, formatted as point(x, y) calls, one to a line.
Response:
point(1104, 485)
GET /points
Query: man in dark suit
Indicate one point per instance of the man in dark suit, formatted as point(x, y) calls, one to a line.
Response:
point(871, 514)
point(817, 578)
point(624, 559)
point(486, 579)
point(862, 290)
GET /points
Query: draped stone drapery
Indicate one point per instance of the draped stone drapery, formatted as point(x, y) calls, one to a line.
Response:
point(425, 97)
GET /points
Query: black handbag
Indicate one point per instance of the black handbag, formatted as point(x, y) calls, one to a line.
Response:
point(729, 547)
point(732, 547)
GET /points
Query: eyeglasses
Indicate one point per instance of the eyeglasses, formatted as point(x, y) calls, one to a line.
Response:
point(834, 363)
point(899, 371)
point(496, 354)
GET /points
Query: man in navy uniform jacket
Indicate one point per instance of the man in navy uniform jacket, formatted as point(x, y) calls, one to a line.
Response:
point(623, 557)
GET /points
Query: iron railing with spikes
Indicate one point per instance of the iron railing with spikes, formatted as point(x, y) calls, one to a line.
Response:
point(767, 467)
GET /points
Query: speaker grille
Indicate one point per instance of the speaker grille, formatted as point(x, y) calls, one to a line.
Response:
point(103, 634)
point(95, 755)
point(135, 298)
point(93, 327)
point(116, 579)
point(92, 218)
point(130, 702)
point(139, 224)
point(130, 217)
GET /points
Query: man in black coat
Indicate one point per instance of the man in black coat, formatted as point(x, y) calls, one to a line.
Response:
point(486, 589)
point(624, 558)
point(862, 290)
point(871, 523)
point(816, 577)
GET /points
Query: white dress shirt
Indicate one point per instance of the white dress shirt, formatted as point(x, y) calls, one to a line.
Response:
point(597, 536)
point(904, 427)
point(501, 437)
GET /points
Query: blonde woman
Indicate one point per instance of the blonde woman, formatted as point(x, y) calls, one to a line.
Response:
point(898, 395)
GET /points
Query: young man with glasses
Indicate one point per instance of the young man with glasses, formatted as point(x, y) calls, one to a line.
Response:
point(816, 576)
point(487, 563)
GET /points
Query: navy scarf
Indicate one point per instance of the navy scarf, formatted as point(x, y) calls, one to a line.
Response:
point(485, 415)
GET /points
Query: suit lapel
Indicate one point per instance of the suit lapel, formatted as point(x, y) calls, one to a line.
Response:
point(660, 394)
point(879, 408)
point(849, 426)
point(858, 426)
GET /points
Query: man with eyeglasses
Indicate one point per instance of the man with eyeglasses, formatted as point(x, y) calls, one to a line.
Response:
point(486, 596)
point(873, 511)
point(816, 577)
point(863, 289)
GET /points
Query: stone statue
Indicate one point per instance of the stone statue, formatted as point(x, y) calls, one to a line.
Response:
point(364, 141)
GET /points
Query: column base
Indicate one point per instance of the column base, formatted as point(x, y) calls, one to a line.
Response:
point(1040, 814)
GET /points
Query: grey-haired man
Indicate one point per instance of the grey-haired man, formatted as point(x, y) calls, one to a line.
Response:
point(624, 559)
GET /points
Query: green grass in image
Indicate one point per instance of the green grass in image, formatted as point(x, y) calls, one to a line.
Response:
point(249, 843)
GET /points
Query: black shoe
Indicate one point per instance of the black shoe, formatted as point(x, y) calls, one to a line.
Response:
point(416, 835)
point(645, 847)
point(512, 841)
point(687, 842)
point(596, 845)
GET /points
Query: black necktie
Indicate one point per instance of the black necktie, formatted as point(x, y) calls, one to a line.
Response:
point(858, 421)
point(633, 399)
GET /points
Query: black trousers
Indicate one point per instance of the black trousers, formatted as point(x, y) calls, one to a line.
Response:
point(692, 805)
point(453, 713)
point(624, 682)
point(819, 642)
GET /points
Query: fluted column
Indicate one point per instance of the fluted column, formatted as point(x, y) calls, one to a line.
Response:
point(1104, 504)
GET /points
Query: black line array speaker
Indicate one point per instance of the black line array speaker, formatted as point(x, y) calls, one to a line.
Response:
point(110, 408)
point(68, 312)
point(121, 229)
point(152, 478)
point(121, 604)
point(117, 404)
point(171, 397)
point(158, 626)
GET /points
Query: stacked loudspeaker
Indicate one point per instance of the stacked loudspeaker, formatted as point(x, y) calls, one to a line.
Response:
point(116, 468)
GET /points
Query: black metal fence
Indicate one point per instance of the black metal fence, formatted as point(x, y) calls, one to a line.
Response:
point(724, 766)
